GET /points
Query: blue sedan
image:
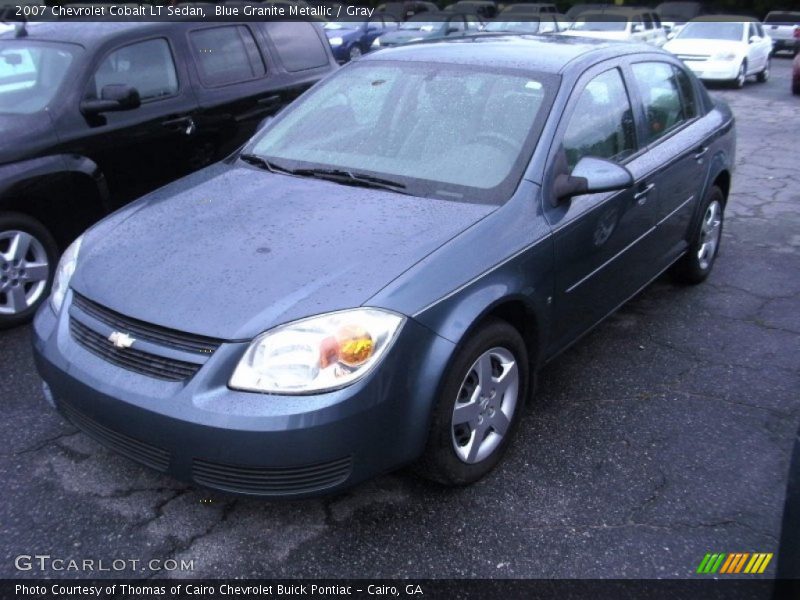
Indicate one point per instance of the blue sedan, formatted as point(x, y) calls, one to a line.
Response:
point(349, 40)
point(327, 305)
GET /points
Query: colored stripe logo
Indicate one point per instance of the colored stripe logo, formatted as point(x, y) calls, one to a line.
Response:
point(735, 562)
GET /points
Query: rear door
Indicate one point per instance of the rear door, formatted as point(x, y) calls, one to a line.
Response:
point(603, 247)
point(137, 149)
point(676, 151)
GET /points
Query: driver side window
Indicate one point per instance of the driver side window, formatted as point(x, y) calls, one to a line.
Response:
point(146, 66)
point(602, 123)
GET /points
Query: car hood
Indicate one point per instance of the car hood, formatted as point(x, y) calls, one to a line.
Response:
point(232, 251)
point(342, 33)
point(708, 47)
point(25, 136)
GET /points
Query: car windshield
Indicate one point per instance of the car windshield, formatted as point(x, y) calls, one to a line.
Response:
point(600, 22)
point(788, 18)
point(31, 73)
point(513, 26)
point(710, 30)
point(419, 26)
point(456, 132)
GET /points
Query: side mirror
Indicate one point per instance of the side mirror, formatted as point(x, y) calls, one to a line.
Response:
point(754, 39)
point(590, 176)
point(451, 30)
point(114, 97)
point(637, 28)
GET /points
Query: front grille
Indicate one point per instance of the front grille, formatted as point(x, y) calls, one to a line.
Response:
point(695, 57)
point(168, 369)
point(146, 331)
point(271, 480)
point(148, 455)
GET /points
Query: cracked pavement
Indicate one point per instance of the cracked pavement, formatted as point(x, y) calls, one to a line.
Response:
point(663, 435)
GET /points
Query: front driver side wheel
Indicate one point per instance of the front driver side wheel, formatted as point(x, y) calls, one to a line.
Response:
point(355, 52)
point(763, 76)
point(479, 406)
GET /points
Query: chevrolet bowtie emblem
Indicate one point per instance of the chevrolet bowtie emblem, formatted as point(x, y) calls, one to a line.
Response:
point(121, 340)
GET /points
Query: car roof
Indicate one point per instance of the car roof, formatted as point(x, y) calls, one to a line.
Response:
point(734, 18)
point(535, 53)
point(85, 34)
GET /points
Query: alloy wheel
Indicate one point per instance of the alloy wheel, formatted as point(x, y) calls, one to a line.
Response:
point(355, 53)
point(485, 405)
point(710, 234)
point(24, 271)
point(741, 78)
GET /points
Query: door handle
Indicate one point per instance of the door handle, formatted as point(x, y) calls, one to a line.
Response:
point(701, 153)
point(184, 123)
point(641, 195)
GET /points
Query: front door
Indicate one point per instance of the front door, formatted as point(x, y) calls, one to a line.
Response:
point(603, 251)
point(142, 148)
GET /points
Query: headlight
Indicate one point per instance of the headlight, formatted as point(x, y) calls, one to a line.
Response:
point(66, 267)
point(725, 56)
point(376, 42)
point(336, 41)
point(317, 354)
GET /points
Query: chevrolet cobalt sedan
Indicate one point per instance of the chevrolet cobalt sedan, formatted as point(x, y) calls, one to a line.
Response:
point(327, 305)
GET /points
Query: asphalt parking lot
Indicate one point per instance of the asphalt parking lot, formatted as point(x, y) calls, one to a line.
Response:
point(663, 435)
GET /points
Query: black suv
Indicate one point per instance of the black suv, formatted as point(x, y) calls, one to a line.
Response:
point(93, 115)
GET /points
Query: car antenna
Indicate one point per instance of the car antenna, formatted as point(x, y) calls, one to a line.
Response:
point(21, 31)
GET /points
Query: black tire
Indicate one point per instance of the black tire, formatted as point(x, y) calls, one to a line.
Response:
point(739, 81)
point(691, 268)
point(796, 88)
point(763, 76)
point(9, 222)
point(440, 462)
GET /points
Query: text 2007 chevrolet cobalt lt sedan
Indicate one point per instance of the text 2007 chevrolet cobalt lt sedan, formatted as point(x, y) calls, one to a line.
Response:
point(376, 277)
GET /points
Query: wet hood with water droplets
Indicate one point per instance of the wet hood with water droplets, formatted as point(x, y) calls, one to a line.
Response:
point(232, 251)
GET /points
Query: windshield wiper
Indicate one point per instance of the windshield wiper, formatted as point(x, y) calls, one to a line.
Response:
point(263, 163)
point(351, 178)
point(338, 175)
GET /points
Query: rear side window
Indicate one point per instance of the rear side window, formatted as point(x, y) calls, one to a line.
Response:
point(688, 96)
point(297, 44)
point(602, 123)
point(147, 66)
point(226, 55)
point(658, 87)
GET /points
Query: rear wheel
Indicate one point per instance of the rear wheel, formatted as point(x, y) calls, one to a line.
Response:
point(763, 76)
point(28, 254)
point(695, 266)
point(479, 406)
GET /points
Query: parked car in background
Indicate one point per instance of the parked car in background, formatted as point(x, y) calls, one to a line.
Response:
point(484, 9)
point(796, 75)
point(724, 49)
point(784, 29)
point(329, 304)
point(674, 15)
point(350, 39)
point(576, 9)
point(405, 10)
point(529, 8)
point(420, 27)
point(95, 114)
point(624, 24)
point(542, 24)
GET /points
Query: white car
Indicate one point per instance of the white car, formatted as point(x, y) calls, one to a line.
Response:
point(625, 24)
point(728, 49)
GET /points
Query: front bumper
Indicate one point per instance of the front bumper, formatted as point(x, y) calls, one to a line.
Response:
point(253, 444)
point(714, 70)
point(779, 45)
